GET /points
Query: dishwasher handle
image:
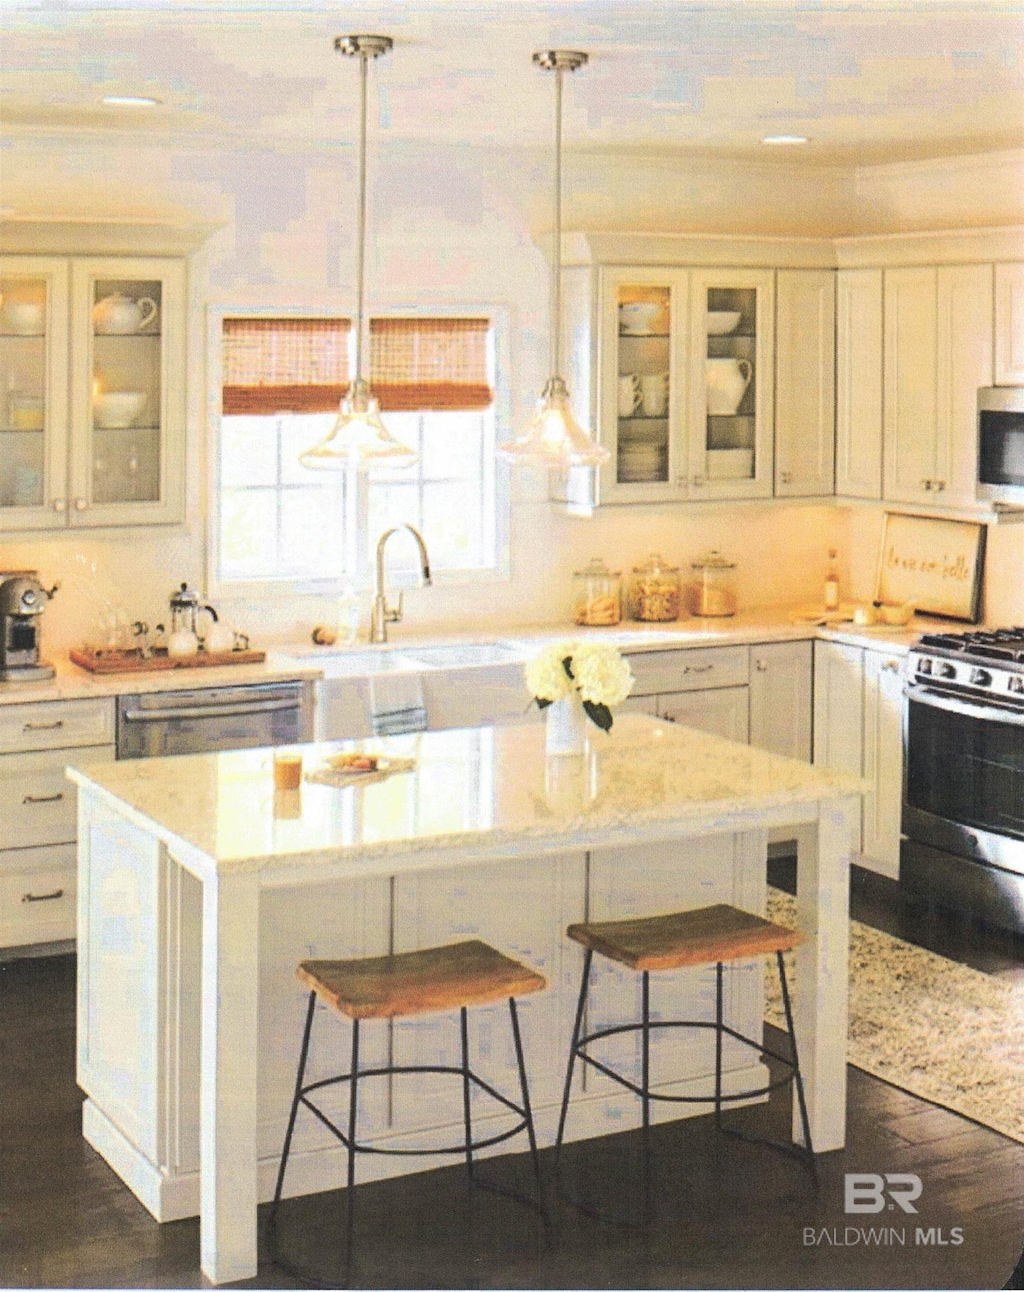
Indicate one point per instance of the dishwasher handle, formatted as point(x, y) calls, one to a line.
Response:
point(241, 709)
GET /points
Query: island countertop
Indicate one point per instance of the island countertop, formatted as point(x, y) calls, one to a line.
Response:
point(472, 793)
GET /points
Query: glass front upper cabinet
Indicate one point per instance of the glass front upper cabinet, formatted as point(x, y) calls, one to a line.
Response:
point(732, 383)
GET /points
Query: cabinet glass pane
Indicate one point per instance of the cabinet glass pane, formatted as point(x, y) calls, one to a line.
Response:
point(730, 370)
point(644, 377)
point(126, 386)
point(23, 353)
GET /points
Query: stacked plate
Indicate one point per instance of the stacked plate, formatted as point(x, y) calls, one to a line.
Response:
point(640, 463)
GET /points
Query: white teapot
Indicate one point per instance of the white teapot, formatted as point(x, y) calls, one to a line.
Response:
point(727, 381)
point(120, 315)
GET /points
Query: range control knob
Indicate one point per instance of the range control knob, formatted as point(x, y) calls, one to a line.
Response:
point(981, 677)
point(924, 666)
point(947, 670)
point(1015, 684)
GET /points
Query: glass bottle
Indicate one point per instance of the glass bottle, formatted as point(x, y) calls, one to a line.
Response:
point(831, 597)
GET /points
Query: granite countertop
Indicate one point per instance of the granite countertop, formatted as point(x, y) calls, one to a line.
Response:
point(472, 790)
point(285, 661)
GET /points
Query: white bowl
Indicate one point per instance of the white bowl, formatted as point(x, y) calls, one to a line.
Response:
point(730, 464)
point(897, 616)
point(118, 409)
point(722, 321)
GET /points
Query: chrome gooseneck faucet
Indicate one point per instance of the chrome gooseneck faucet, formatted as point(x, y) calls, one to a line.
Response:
point(382, 614)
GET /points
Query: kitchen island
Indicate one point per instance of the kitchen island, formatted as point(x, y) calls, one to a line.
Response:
point(200, 888)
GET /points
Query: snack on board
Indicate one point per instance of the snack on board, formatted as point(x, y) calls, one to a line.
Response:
point(354, 761)
point(599, 610)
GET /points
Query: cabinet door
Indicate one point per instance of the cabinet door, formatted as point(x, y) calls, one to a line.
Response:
point(963, 363)
point(732, 346)
point(643, 400)
point(127, 392)
point(805, 353)
point(33, 391)
point(839, 708)
point(883, 762)
point(781, 687)
point(911, 325)
point(1009, 358)
point(723, 712)
point(859, 383)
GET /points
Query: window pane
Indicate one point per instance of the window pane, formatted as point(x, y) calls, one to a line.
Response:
point(451, 445)
point(300, 431)
point(248, 533)
point(312, 533)
point(248, 451)
point(451, 523)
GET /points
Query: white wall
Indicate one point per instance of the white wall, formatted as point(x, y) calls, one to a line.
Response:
point(452, 226)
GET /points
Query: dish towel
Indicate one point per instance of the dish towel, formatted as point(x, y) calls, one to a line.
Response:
point(397, 704)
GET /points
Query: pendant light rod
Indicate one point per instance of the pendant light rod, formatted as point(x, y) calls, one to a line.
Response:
point(558, 61)
point(364, 48)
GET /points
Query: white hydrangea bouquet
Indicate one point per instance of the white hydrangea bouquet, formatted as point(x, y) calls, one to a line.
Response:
point(584, 680)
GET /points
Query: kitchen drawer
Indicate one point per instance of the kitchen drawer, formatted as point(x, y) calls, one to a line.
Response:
point(58, 724)
point(37, 895)
point(37, 802)
point(698, 669)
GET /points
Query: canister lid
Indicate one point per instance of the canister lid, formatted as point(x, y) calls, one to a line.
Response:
point(596, 569)
point(714, 560)
point(655, 565)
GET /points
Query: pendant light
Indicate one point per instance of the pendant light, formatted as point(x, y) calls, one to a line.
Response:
point(554, 437)
point(359, 437)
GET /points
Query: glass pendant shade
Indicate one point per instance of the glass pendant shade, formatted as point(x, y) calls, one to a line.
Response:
point(358, 437)
point(554, 437)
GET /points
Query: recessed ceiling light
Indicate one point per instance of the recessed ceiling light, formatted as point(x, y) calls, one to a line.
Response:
point(785, 139)
point(130, 100)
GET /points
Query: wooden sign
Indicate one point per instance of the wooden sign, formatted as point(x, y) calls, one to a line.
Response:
point(936, 564)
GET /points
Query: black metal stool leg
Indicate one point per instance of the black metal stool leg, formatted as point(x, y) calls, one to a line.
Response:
point(464, 1028)
point(719, 1019)
point(528, 1110)
point(645, 1099)
point(798, 1080)
point(577, 1029)
point(295, 1101)
point(351, 1175)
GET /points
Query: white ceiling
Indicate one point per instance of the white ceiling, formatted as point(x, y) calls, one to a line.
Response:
point(871, 81)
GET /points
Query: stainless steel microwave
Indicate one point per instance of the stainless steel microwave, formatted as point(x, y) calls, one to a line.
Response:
point(1001, 444)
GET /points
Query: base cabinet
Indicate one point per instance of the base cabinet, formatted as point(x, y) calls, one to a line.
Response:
point(858, 729)
point(780, 698)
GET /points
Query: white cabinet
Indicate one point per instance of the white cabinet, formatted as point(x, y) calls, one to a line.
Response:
point(859, 383)
point(92, 368)
point(805, 350)
point(37, 806)
point(883, 762)
point(781, 698)
point(1009, 357)
point(723, 711)
point(938, 351)
point(858, 729)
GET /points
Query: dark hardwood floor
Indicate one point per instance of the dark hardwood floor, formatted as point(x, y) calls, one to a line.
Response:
point(729, 1214)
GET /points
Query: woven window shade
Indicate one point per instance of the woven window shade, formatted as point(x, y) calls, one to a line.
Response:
point(429, 363)
point(290, 365)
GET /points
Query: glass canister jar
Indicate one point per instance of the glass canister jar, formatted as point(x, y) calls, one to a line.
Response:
point(713, 592)
point(655, 594)
point(597, 595)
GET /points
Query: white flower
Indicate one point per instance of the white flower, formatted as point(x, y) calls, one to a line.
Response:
point(545, 674)
point(602, 675)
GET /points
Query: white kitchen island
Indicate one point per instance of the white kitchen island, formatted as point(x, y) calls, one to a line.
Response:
point(200, 889)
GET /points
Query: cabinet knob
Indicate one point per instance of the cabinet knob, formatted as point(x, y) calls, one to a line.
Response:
point(80, 504)
point(891, 666)
point(761, 665)
point(698, 480)
point(926, 484)
point(786, 477)
point(60, 504)
point(938, 485)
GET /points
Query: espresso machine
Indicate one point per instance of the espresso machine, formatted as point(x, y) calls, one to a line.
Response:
point(22, 602)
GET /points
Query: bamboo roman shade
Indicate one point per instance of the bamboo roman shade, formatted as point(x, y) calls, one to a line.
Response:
point(430, 363)
point(300, 365)
point(293, 365)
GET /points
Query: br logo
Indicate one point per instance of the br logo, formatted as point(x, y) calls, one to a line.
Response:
point(875, 1193)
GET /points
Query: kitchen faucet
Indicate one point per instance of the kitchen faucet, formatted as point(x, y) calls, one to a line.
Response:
point(382, 614)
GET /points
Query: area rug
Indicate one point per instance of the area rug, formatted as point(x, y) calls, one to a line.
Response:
point(935, 1028)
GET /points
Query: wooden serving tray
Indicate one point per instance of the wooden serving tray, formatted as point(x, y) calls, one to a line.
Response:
point(100, 659)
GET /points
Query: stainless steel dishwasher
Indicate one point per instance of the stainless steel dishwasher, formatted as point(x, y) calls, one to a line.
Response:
point(203, 720)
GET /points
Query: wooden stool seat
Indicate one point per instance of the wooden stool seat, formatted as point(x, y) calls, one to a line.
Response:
point(419, 982)
point(708, 935)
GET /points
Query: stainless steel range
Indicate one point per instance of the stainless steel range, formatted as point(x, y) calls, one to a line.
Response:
point(963, 793)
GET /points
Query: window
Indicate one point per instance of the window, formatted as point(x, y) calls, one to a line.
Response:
point(282, 380)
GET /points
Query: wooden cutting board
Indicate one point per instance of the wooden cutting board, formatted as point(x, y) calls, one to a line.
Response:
point(100, 659)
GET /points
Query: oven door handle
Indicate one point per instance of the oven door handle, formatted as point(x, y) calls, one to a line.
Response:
point(240, 710)
point(966, 708)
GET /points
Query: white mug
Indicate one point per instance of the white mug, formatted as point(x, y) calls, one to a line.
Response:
point(629, 394)
point(654, 393)
point(222, 637)
point(23, 317)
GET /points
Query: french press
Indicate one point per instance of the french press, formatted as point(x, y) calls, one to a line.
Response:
point(186, 609)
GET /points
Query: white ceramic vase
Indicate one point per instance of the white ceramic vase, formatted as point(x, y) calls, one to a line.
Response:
point(566, 726)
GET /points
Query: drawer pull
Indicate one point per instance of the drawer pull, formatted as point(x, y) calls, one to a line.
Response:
point(694, 668)
point(43, 798)
point(43, 897)
point(891, 666)
point(44, 726)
